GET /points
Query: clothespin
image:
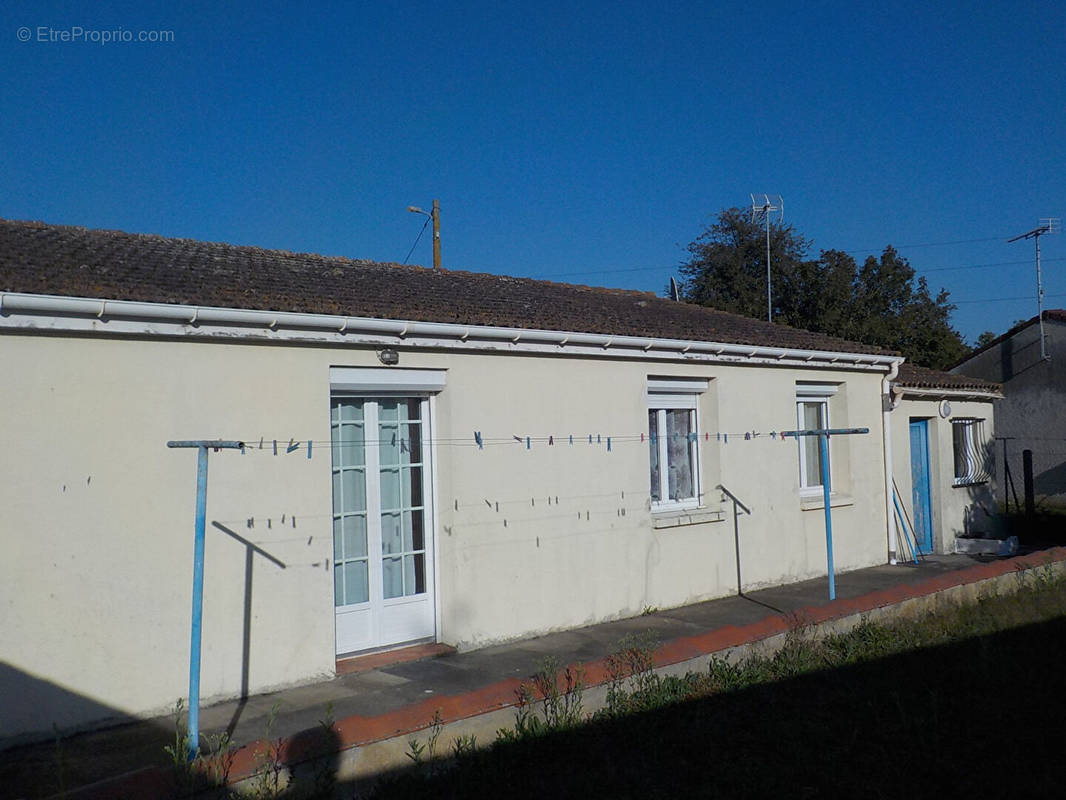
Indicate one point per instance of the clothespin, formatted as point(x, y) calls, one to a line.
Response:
point(747, 436)
point(516, 438)
point(242, 448)
point(608, 444)
point(642, 438)
point(309, 448)
point(719, 435)
point(725, 438)
point(292, 446)
point(571, 438)
point(260, 442)
point(527, 443)
point(477, 439)
point(275, 447)
point(551, 441)
point(599, 438)
point(706, 436)
point(590, 438)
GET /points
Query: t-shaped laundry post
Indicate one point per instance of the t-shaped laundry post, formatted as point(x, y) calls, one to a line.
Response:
point(823, 435)
point(198, 579)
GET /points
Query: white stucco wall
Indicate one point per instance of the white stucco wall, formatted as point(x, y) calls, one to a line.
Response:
point(956, 509)
point(98, 513)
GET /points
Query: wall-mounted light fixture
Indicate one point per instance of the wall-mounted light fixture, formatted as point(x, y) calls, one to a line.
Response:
point(388, 356)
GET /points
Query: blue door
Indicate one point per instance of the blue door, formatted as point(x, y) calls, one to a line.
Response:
point(922, 503)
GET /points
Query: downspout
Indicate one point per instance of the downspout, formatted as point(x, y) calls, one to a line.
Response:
point(888, 403)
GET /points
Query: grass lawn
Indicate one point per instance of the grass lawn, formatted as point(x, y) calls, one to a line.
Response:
point(969, 702)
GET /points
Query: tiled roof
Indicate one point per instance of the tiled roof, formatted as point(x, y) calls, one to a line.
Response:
point(915, 377)
point(78, 262)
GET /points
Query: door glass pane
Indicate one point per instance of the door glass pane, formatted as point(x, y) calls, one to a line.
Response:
point(412, 531)
point(420, 573)
point(410, 444)
point(391, 533)
point(653, 447)
point(390, 489)
point(414, 574)
point(355, 536)
point(338, 539)
point(412, 487)
point(392, 576)
point(388, 410)
point(353, 490)
point(389, 445)
point(680, 475)
point(356, 589)
point(348, 447)
point(411, 409)
point(351, 410)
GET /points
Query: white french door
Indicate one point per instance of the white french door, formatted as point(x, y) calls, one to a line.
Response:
point(382, 509)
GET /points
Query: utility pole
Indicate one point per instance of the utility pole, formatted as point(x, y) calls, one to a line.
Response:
point(436, 234)
point(765, 206)
point(435, 217)
point(1049, 225)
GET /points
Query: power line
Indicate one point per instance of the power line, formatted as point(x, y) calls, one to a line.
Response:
point(927, 244)
point(417, 240)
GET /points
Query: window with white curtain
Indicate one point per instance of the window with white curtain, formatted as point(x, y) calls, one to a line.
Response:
point(812, 413)
point(673, 442)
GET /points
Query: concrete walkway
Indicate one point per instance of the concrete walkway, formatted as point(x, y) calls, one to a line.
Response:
point(392, 701)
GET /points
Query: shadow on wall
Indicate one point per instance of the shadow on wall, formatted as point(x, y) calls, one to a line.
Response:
point(1052, 482)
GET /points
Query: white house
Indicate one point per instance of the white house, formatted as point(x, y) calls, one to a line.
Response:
point(943, 429)
point(429, 456)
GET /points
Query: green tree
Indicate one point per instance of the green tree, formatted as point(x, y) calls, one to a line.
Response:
point(727, 268)
point(882, 303)
point(985, 338)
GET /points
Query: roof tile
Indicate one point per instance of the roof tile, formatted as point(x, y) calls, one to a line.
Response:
point(78, 262)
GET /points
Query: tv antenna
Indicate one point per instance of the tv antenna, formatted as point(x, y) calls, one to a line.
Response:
point(764, 206)
point(1046, 226)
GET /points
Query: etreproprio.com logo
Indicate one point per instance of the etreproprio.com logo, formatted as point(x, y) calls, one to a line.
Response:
point(76, 34)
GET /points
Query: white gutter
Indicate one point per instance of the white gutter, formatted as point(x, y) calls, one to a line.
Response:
point(77, 314)
point(886, 429)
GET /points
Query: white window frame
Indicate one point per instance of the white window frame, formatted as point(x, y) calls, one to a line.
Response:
point(972, 430)
point(813, 394)
point(665, 394)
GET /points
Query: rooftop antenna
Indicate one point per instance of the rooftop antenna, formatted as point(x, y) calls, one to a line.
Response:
point(1047, 225)
point(764, 205)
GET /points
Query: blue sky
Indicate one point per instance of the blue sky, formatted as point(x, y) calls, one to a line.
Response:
point(586, 142)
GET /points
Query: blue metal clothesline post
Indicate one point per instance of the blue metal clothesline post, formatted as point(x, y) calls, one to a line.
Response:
point(823, 435)
point(198, 579)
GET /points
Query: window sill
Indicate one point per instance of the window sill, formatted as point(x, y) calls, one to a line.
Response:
point(812, 502)
point(691, 516)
